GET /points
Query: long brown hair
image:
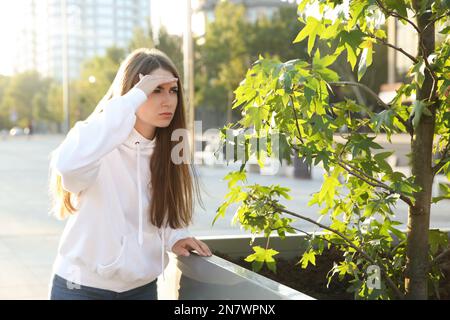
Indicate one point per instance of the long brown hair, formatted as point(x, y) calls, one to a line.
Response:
point(172, 186)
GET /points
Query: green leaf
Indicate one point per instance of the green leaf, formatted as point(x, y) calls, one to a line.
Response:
point(383, 119)
point(255, 116)
point(234, 177)
point(437, 239)
point(418, 72)
point(351, 41)
point(357, 8)
point(383, 155)
point(351, 56)
point(320, 65)
point(311, 87)
point(221, 211)
point(400, 235)
point(382, 163)
point(272, 266)
point(328, 189)
point(312, 28)
point(331, 31)
point(446, 30)
point(262, 255)
point(397, 5)
point(308, 257)
point(419, 108)
point(444, 189)
point(366, 58)
point(380, 33)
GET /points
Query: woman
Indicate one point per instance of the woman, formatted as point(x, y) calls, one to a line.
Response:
point(127, 200)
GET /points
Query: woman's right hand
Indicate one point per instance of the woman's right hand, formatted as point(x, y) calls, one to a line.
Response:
point(149, 83)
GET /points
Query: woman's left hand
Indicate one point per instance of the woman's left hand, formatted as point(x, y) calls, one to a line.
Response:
point(184, 246)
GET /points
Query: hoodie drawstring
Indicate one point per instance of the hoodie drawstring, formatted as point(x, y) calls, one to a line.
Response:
point(141, 234)
point(138, 154)
point(162, 252)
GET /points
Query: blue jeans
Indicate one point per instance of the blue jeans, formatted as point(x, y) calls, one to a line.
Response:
point(60, 290)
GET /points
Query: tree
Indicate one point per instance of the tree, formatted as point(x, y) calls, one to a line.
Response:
point(4, 112)
point(97, 75)
point(360, 188)
point(141, 39)
point(172, 45)
point(223, 58)
point(273, 36)
point(169, 44)
point(23, 95)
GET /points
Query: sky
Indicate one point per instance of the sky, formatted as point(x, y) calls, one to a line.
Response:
point(10, 18)
point(163, 13)
point(170, 13)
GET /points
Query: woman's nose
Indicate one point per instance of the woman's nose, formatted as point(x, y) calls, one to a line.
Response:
point(166, 99)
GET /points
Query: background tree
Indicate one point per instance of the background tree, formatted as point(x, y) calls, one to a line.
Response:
point(141, 39)
point(274, 36)
point(360, 188)
point(172, 45)
point(24, 95)
point(4, 111)
point(223, 58)
point(97, 74)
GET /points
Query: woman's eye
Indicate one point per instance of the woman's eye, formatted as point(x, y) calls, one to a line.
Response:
point(156, 91)
point(175, 90)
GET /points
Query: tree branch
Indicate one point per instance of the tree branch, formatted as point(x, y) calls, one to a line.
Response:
point(440, 257)
point(389, 281)
point(374, 95)
point(384, 42)
point(396, 15)
point(320, 237)
point(296, 120)
point(442, 161)
point(428, 67)
point(374, 183)
point(433, 21)
point(362, 86)
point(420, 32)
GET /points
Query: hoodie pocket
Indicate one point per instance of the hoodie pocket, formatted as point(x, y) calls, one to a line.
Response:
point(134, 262)
point(108, 270)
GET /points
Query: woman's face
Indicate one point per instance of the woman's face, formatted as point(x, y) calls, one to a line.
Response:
point(160, 106)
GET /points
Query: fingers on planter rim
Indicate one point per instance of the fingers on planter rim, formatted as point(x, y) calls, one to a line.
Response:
point(201, 248)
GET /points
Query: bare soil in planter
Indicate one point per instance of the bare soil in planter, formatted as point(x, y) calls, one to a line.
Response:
point(313, 280)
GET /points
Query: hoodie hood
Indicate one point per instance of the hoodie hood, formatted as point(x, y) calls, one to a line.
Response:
point(136, 137)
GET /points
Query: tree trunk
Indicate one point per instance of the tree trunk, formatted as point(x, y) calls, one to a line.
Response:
point(417, 264)
point(301, 168)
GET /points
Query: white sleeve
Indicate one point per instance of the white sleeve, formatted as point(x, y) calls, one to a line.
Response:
point(77, 159)
point(173, 235)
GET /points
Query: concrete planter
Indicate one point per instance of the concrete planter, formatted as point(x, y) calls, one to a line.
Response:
point(200, 278)
point(213, 278)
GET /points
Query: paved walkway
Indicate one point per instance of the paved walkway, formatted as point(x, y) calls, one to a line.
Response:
point(29, 237)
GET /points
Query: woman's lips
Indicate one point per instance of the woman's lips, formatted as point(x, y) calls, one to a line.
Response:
point(166, 114)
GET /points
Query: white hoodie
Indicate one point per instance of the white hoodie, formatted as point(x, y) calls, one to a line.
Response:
point(109, 242)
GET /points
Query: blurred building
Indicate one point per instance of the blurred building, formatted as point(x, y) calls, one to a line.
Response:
point(203, 13)
point(254, 8)
point(92, 27)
